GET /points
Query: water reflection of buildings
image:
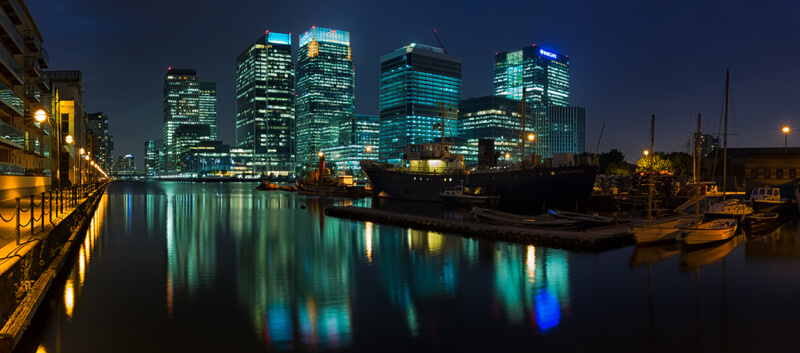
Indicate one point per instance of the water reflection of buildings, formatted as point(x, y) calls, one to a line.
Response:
point(295, 274)
point(191, 242)
point(532, 284)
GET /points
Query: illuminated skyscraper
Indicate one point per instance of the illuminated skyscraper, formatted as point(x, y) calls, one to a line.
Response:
point(265, 103)
point(102, 153)
point(544, 73)
point(325, 89)
point(182, 106)
point(208, 106)
point(416, 80)
point(559, 130)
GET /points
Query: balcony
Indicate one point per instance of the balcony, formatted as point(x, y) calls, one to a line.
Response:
point(10, 103)
point(11, 169)
point(32, 92)
point(9, 67)
point(32, 41)
point(44, 83)
point(32, 67)
point(10, 137)
point(9, 34)
point(13, 10)
point(44, 59)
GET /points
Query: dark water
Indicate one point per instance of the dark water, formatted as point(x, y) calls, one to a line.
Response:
point(170, 267)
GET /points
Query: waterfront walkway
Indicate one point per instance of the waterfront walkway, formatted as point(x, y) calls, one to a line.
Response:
point(42, 224)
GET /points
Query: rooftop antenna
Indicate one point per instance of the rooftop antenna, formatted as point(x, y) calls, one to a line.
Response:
point(440, 41)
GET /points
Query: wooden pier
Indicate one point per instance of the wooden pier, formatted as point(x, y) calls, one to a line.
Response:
point(593, 240)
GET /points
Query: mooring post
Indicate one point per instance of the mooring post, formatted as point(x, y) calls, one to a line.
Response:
point(51, 206)
point(43, 212)
point(19, 231)
point(33, 223)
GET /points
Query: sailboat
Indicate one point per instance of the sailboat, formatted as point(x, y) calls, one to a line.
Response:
point(727, 208)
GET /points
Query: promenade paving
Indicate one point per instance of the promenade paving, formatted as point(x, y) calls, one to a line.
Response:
point(8, 210)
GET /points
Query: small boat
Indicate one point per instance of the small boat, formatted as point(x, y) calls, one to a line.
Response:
point(266, 185)
point(468, 195)
point(497, 217)
point(731, 208)
point(582, 218)
point(709, 231)
point(664, 231)
point(760, 223)
point(768, 199)
point(692, 259)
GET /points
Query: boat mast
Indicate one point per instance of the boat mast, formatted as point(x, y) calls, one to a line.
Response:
point(725, 139)
point(441, 104)
point(697, 157)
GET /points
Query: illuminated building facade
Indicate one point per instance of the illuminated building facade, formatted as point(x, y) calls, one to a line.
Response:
point(358, 140)
point(265, 119)
point(208, 107)
point(153, 154)
point(416, 82)
point(188, 136)
point(559, 130)
point(544, 73)
point(325, 90)
point(69, 85)
point(493, 117)
point(102, 149)
point(182, 106)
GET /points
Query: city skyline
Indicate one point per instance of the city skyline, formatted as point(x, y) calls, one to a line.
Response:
point(628, 61)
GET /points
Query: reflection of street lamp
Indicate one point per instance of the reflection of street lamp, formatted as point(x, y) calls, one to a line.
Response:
point(785, 142)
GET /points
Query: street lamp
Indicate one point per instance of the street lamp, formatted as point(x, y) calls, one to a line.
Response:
point(531, 137)
point(41, 116)
point(785, 141)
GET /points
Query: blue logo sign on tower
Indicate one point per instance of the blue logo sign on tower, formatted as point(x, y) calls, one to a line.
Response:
point(548, 54)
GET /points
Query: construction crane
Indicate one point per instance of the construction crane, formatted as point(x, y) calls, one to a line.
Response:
point(440, 41)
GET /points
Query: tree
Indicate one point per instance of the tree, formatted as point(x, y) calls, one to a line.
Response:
point(608, 158)
point(653, 162)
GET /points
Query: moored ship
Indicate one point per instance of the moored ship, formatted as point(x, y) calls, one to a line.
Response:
point(429, 169)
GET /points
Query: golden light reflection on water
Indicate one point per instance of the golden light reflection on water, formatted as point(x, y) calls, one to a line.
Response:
point(41, 349)
point(532, 263)
point(69, 297)
point(368, 235)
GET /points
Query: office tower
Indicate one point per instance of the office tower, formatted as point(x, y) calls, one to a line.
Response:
point(358, 140)
point(559, 130)
point(101, 153)
point(543, 72)
point(208, 106)
point(182, 101)
point(496, 118)
point(418, 83)
point(152, 149)
point(265, 103)
point(325, 90)
point(125, 167)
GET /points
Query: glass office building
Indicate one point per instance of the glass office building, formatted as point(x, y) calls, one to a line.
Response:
point(265, 115)
point(543, 72)
point(418, 84)
point(181, 107)
point(559, 130)
point(496, 118)
point(358, 140)
point(208, 106)
point(325, 90)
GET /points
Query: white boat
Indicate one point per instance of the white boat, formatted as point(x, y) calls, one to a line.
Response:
point(709, 231)
point(461, 194)
point(731, 208)
point(493, 216)
point(768, 199)
point(659, 232)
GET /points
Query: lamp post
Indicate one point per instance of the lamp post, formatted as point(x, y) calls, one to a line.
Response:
point(41, 116)
point(531, 138)
point(785, 140)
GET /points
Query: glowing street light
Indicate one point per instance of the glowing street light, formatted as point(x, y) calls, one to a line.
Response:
point(646, 152)
point(40, 115)
point(68, 139)
point(785, 141)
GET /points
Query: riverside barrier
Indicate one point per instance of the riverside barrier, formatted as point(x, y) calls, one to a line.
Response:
point(30, 263)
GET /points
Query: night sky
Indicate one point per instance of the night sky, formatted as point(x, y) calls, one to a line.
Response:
point(628, 59)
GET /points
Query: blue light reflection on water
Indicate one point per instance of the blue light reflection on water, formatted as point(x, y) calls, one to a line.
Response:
point(176, 260)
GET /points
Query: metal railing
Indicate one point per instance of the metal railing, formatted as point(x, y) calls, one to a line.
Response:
point(8, 25)
point(54, 201)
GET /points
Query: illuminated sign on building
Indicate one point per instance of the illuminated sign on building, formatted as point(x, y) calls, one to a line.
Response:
point(548, 54)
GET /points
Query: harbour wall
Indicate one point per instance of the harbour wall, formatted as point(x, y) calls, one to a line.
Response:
point(27, 273)
point(586, 241)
